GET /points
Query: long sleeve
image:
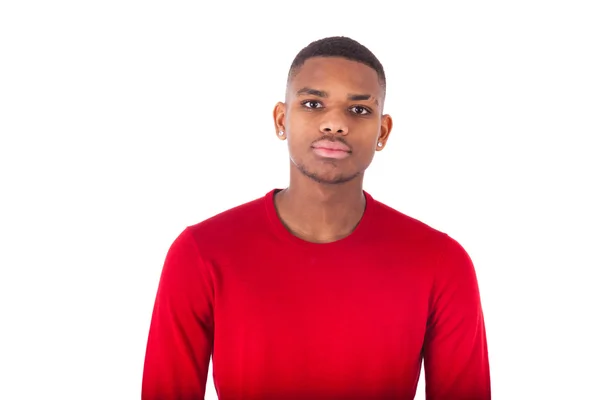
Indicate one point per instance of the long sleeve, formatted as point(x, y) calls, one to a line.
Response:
point(455, 348)
point(180, 339)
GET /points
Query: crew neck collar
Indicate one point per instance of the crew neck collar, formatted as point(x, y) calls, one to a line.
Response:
point(282, 232)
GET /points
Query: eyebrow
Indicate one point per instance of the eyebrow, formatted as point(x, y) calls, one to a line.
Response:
point(321, 93)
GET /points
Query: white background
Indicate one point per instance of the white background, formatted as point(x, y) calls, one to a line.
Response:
point(122, 122)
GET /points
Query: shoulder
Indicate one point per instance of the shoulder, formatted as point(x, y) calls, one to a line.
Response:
point(402, 230)
point(232, 220)
point(228, 229)
point(400, 226)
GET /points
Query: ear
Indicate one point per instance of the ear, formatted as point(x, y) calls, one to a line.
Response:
point(279, 120)
point(384, 131)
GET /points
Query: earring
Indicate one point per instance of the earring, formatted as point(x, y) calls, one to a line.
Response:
point(281, 133)
point(379, 144)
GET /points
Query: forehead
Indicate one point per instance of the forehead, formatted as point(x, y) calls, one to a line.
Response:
point(331, 72)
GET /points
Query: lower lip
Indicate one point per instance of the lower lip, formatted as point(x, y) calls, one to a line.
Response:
point(328, 153)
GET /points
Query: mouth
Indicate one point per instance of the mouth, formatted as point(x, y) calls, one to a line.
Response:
point(328, 152)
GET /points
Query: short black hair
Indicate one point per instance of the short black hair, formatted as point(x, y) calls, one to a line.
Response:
point(338, 46)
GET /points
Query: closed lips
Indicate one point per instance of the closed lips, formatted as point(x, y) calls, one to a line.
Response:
point(331, 146)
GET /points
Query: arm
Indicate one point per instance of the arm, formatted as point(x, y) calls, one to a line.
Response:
point(455, 348)
point(180, 339)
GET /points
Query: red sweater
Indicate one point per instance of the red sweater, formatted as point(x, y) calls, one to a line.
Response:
point(288, 319)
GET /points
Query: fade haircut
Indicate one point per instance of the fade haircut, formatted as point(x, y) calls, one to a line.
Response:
point(338, 46)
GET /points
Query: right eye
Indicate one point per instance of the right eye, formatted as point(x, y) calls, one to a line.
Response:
point(311, 104)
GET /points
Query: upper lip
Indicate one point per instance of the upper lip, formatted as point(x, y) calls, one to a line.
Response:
point(326, 144)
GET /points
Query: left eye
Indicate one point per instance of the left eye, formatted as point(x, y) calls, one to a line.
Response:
point(311, 104)
point(360, 110)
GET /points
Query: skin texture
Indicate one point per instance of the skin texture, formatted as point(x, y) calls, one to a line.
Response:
point(324, 101)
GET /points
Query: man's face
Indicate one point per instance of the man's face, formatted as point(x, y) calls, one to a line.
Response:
point(333, 119)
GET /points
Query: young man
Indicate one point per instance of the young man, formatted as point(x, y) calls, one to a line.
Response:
point(319, 291)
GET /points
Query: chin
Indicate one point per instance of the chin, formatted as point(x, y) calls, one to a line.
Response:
point(328, 177)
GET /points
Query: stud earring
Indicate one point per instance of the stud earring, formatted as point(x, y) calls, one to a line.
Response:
point(281, 133)
point(379, 144)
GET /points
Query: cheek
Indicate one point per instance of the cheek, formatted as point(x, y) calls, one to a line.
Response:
point(301, 132)
point(300, 125)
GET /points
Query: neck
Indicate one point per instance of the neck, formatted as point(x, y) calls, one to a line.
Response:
point(319, 212)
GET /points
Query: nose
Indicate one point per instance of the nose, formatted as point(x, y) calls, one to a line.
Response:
point(334, 124)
